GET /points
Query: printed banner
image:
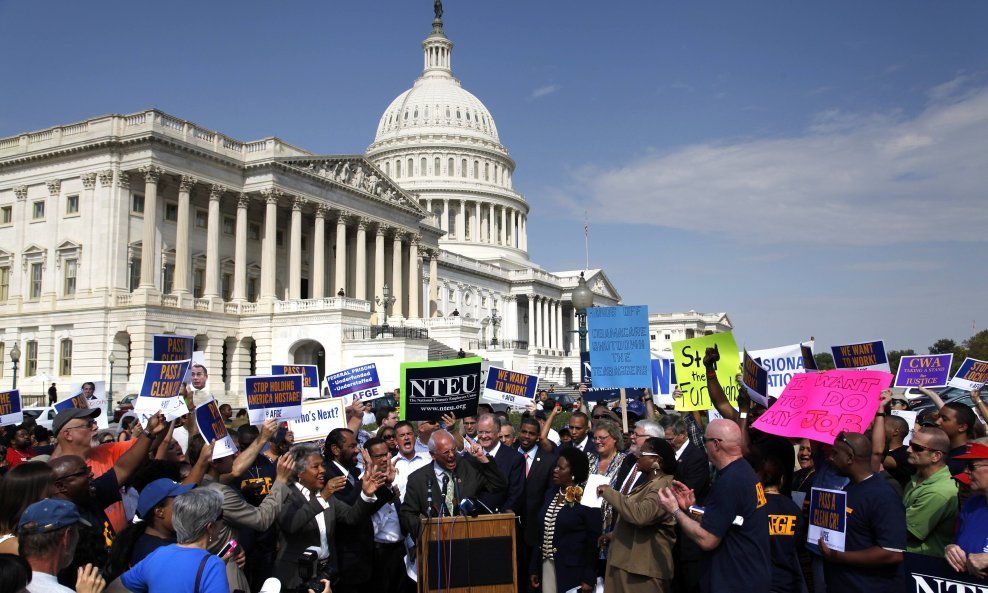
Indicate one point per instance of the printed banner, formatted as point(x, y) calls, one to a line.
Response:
point(828, 517)
point(972, 374)
point(95, 394)
point(160, 391)
point(317, 419)
point(925, 574)
point(172, 348)
point(924, 371)
point(212, 428)
point(692, 376)
point(360, 383)
point(809, 363)
point(663, 381)
point(619, 346)
point(869, 356)
point(596, 394)
point(510, 387)
point(76, 401)
point(10, 408)
point(310, 377)
point(781, 363)
point(274, 396)
point(755, 378)
point(820, 405)
point(432, 389)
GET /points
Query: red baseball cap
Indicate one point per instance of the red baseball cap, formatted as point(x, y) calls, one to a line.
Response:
point(974, 451)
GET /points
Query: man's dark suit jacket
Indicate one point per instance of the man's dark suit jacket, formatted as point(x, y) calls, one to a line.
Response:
point(512, 465)
point(469, 481)
point(694, 471)
point(538, 481)
point(354, 544)
point(299, 529)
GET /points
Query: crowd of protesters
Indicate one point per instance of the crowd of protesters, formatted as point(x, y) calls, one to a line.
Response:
point(685, 505)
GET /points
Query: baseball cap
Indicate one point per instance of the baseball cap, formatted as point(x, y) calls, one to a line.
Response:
point(64, 416)
point(49, 514)
point(157, 491)
point(974, 451)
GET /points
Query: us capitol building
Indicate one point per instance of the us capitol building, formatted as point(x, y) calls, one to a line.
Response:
point(121, 227)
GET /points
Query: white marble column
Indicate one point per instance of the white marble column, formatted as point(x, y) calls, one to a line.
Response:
point(379, 262)
point(477, 223)
point(150, 235)
point(180, 283)
point(295, 253)
point(396, 274)
point(240, 251)
point(524, 232)
point(319, 253)
point(444, 223)
point(433, 283)
point(360, 266)
point(531, 322)
point(502, 236)
point(559, 326)
point(545, 323)
point(552, 324)
point(212, 288)
point(340, 270)
point(414, 278)
point(510, 235)
point(491, 217)
point(539, 328)
point(461, 228)
point(269, 245)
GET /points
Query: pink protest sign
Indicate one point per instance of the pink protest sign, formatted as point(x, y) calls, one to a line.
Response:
point(818, 406)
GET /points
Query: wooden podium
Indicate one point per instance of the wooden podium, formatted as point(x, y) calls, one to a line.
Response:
point(468, 555)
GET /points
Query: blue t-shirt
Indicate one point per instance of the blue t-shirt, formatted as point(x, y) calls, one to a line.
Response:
point(786, 534)
point(172, 569)
point(875, 517)
point(972, 536)
point(742, 562)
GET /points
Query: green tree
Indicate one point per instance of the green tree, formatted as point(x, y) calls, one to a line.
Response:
point(895, 355)
point(977, 345)
point(943, 346)
point(824, 361)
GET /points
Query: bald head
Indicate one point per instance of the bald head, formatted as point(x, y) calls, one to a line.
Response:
point(66, 465)
point(723, 442)
point(727, 431)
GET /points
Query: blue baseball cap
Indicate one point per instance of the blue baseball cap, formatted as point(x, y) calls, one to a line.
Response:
point(635, 408)
point(49, 514)
point(157, 491)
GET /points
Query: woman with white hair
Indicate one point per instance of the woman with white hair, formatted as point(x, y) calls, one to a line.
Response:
point(186, 565)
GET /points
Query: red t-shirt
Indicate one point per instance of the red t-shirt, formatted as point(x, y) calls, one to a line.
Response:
point(15, 457)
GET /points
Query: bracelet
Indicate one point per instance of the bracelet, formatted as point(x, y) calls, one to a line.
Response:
point(711, 373)
point(743, 415)
point(676, 512)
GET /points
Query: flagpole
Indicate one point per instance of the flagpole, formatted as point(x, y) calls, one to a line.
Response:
point(586, 240)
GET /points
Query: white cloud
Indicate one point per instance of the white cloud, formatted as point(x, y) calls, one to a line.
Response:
point(849, 179)
point(542, 91)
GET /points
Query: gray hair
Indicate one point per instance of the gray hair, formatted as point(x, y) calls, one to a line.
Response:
point(301, 454)
point(193, 511)
point(497, 421)
point(432, 438)
point(651, 428)
point(673, 422)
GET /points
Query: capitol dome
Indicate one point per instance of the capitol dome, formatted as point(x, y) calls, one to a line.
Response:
point(439, 141)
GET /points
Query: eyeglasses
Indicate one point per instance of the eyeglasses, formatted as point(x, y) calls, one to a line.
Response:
point(388, 437)
point(648, 454)
point(602, 437)
point(920, 448)
point(713, 439)
point(971, 467)
point(843, 438)
point(88, 425)
point(84, 472)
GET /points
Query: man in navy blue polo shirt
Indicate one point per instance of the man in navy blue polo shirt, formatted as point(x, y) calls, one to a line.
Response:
point(875, 527)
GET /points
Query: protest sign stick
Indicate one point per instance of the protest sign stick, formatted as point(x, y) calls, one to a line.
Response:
point(624, 412)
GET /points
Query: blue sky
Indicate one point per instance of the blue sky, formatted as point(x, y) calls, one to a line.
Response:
point(810, 168)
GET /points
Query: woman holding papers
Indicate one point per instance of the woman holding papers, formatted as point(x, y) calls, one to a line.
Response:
point(640, 555)
point(566, 555)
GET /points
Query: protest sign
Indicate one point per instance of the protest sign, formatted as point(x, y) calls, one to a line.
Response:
point(172, 348)
point(869, 356)
point(76, 401)
point(828, 517)
point(754, 377)
point(924, 371)
point(310, 377)
point(820, 405)
point(929, 574)
point(274, 396)
point(361, 383)
point(596, 394)
point(160, 391)
point(910, 417)
point(663, 380)
point(809, 363)
point(318, 418)
point(10, 408)
point(430, 390)
point(95, 393)
point(692, 376)
point(972, 374)
point(619, 346)
point(213, 430)
point(510, 387)
point(781, 363)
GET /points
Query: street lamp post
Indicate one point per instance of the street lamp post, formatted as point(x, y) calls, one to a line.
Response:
point(495, 322)
point(15, 357)
point(109, 394)
point(386, 301)
point(582, 300)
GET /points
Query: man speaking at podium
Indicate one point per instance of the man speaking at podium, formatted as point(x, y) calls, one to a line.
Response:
point(436, 489)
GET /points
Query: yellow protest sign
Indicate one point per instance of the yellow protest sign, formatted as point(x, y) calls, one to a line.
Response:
point(692, 376)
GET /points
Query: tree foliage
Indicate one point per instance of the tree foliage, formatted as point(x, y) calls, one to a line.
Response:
point(824, 361)
point(895, 355)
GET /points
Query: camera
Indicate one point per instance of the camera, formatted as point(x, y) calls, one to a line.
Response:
point(308, 571)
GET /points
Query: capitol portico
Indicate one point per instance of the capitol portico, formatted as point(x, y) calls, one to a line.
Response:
point(124, 226)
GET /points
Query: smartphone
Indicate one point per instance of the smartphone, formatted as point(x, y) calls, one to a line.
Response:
point(227, 548)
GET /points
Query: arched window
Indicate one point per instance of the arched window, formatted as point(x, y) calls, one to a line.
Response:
point(447, 112)
point(406, 115)
point(476, 169)
point(495, 174)
point(397, 169)
point(422, 167)
point(458, 114)
point(487, 171)
point(416, 114)
point(411, 165)
point(435, 166)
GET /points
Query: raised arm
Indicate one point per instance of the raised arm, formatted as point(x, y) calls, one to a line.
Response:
point(249, 455)
point(933, 395)
point(878, 432)
point(714, 389)
point(137, 455)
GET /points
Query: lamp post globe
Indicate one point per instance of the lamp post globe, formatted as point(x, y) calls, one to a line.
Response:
point(15, 357)
point(582, 300)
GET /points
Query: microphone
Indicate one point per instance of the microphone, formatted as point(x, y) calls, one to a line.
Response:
point(428, 495)
point(271, 585)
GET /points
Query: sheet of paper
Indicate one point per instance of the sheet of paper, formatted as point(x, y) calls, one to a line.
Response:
point(590, 497)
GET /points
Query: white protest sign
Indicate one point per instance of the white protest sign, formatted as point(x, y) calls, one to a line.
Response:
point(972, 374)
point(318, 418)
point(509, 387)
point(95, 392)
point(910, 418)
point(590, 498)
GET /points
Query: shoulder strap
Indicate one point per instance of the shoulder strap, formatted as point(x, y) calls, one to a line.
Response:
point(202, 567)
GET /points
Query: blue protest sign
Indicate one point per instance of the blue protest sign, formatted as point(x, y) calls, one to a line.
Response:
point(275, 396)
point(510, 387)
point(213, 430)
point(972, 374)
point(595, 394)
point(359, 382)
point(161, 390)
point(619, 346)
point(10, 408)
point(865, 355)
point(76, 401)
point(931, 370)
point(309, 372)
point(663, 376)
point(170, 348)
point(755, 379)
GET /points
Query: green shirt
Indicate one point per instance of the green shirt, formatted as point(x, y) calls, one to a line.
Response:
point(931, 513)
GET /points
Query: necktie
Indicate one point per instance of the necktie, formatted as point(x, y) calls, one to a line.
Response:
point(528, 462)
point(630, 481)
point(448, 494)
